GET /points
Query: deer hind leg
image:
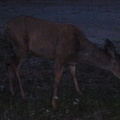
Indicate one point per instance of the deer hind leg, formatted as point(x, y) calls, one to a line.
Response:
point(10, 71)
point(13, 66)
point(58, 74)
point(73, 72)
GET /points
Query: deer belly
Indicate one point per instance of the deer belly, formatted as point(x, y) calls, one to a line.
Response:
point(43, 47)
point(43, 52)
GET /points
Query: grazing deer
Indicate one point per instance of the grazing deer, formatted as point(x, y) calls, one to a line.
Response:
point(65, 43)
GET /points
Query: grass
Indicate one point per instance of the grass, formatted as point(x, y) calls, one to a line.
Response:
point(100, 99)
point(93, 104)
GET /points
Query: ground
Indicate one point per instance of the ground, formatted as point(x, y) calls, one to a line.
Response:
point(100, 20)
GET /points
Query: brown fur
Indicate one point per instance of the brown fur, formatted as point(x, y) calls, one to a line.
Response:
point(64, 43)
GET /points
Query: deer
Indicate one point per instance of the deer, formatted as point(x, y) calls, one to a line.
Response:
point(62, 42)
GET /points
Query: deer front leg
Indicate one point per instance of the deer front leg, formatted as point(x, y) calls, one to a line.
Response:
point(20, 84)
point(73, 72)
point(58, 74)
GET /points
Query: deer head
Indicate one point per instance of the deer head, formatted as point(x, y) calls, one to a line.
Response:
point(115, 58)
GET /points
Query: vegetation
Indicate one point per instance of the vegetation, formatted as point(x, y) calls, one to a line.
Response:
point(100, 99)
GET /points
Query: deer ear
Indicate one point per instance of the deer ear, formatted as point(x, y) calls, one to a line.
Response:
point(110, 48)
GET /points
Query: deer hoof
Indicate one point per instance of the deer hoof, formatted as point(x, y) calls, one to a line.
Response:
point(54, 105)
point(24, 96)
